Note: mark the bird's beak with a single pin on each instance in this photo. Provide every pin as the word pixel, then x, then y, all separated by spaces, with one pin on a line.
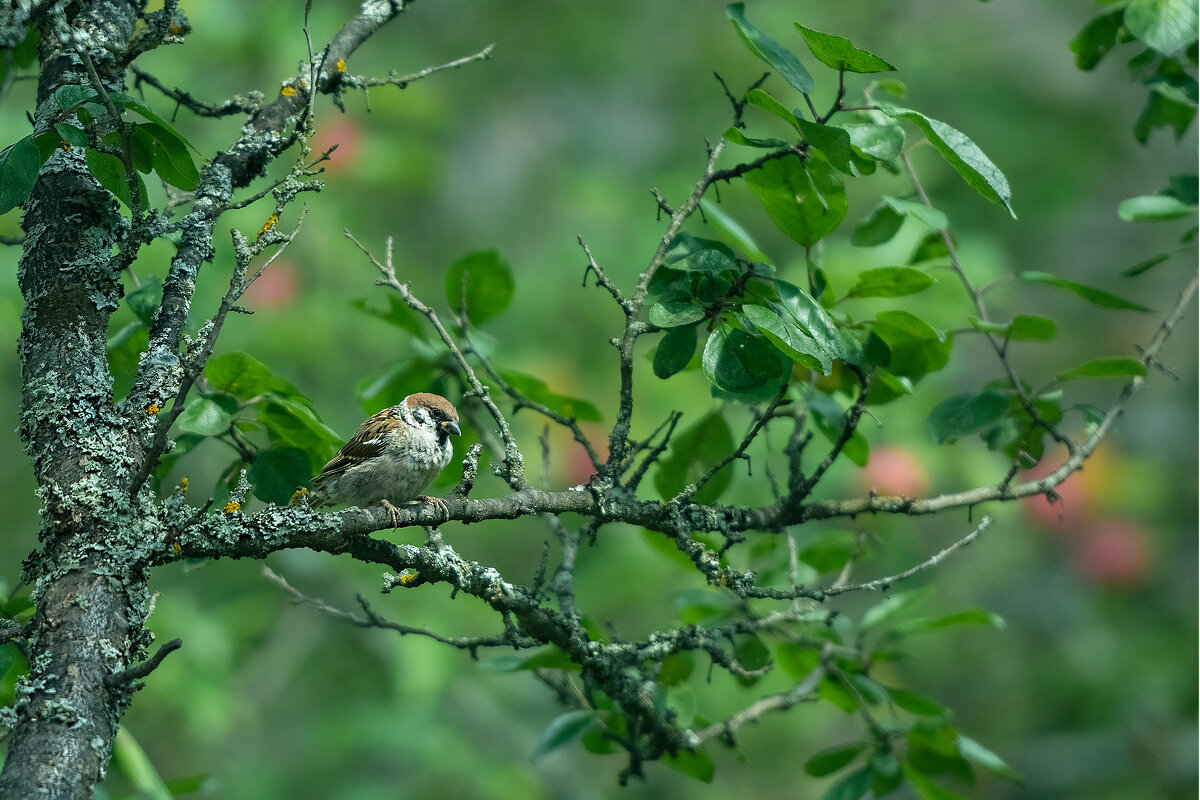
pixel 450 427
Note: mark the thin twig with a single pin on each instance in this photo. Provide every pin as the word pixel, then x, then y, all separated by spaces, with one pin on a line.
pixel 143 669
pixel 805 690
pixel 402 81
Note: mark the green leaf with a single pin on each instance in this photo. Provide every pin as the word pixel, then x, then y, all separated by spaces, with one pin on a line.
pixel 733 229
pixel 536 389
pixel 1020 327
pixel 806 200
pixel 830 420
pixel 812 317
pixel 562 730
pixel 693 452
pixel 1145 266
pixel 1161 111
pixel 394 312
pixel 760 98
pixel 292 420
pixel 674 351
pixel 1098 36
pixel 890 282
pixel 836 52
pixel 138 107
pixel 974 751
pixel 1092 295
pixel 109 172
pixel 696 765
pixel 889 607
pixel 882 142
pixel 1113 367
pixel 786 334
pixel 170 156
pixel 132 762
pixel 145 299
pixel 769 51
pixel 278 472
pixel 925 213
pixel 674 313
pixel 925 788
pixel 917 703
pixel 969 616
pixel 830 760
pixel 209 415
pixel 916 347
pixel 738 362
pixel 1165 25
pixel 829 550
pixel 962 154
pixel 735 136
pixel 966 413
pixel 879 228
pixel 19 165
pixel 483 282
pixel 67 97
pixel 851 787
pixel 797 661
pixel 677 668
pixel 685 248
pixel 831 140
pixel 1154 208
pixel 71 134
pixel 244 376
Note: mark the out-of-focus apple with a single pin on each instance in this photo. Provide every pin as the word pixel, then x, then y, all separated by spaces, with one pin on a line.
pixel 275 288
pixel 345 134
pixel 1076 493
pixel 893 471
pixel 1113 552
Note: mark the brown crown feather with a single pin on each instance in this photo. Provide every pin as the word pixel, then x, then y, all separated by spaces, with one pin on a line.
pixel 430 400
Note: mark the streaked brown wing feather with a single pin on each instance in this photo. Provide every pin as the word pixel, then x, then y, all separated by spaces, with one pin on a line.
pixel 366 443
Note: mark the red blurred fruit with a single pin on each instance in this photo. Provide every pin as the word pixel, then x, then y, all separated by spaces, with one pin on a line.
pixel 893 471
pixel 345 134
pixel 275 288
pixel 1113 552
pixel 1078 492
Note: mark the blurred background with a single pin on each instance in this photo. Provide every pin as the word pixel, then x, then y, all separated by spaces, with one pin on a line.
pixel 1089 692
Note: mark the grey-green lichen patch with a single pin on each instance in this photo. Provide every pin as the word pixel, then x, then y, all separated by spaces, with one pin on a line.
pixel 60 710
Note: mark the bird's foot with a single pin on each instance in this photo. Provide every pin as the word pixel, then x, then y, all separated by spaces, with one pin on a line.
pixel 439 504
pixel 393 513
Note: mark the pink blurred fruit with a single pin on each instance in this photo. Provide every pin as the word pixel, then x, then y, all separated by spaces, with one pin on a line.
pixel 345 134
pixel 275 288
pixel 1113 552
pixel 893 471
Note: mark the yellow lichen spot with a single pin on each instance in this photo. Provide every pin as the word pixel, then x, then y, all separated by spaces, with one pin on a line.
pixel 407 578
pixel 270 223
pixel 341 65
pixel 176 548
pixel 232 507
pixel 299 497
pixel 183 484
pixel 65 145
pixel 152 409
pixel 288 91
pixel 174 29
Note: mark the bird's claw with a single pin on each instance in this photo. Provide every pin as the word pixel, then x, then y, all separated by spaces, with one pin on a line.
pixel 439 504
pixel 393 514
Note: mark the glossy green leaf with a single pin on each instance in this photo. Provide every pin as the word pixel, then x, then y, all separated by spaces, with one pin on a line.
pixel 806 200
pixel 735 136
pixel 879 228
pixel 969 616
pixel 962 154
pixel 278 472
pixel 563 730
pixel 1020 327
pixel 71 134
pixel 292 420
pixel 882 142
pixel 851 787
pixel 674 351
pixel 1161 111
pixel 760 98
pixel 917 703
pixel 536 389
pixel 738 362
pixel 733 230
pixel 109 172
pixel 1154 208
pixel 931 248
pixel 67 97
pixel 812 317
pixel 208 415
pixel 686 247
pixel 890 282
pixel 145 299
pixel 1105 368
pixel 966 413
pixel 887 609
pixel 244 376
pixel 1145 266
pixel 769 51
pixel 836 52
pixel 170 157
pixel 1092 295
pixel 697 765
pixel 693 452
pixel 1098 36
pixel 674 313
pixel 786 334
pixel 138 107
pixel 1165 25
pixel 831 140
pixel 916 348
pixel 830 420
pixel 392 310
pixel 482 283
pixel 19 165
pixel 832 759
pixel 931 216
pixel 829 550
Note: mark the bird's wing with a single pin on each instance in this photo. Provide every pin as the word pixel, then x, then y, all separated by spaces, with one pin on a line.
pixel 366 443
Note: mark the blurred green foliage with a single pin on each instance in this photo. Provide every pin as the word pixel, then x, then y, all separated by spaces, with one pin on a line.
pixel 1090 690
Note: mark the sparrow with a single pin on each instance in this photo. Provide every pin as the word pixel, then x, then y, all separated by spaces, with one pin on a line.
pixel 392 457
